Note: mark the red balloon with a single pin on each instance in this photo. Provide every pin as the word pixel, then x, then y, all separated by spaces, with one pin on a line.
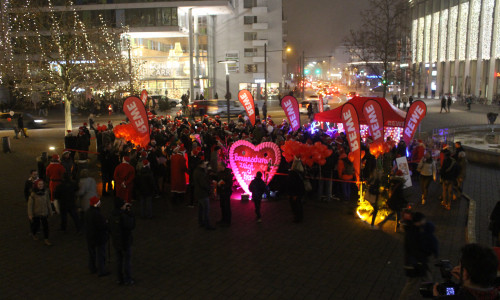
pixel 9 119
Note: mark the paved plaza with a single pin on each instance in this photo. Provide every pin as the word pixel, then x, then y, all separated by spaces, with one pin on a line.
pixel 331 255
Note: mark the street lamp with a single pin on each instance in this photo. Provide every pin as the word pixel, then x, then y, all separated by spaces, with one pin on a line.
pixel 288 49
pixel 228 94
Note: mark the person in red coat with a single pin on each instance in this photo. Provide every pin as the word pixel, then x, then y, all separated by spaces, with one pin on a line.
pixel 124 180
pixel 178 172
pixel 54 174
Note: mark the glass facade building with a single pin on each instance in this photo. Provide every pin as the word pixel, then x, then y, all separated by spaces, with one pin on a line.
pixel 455 47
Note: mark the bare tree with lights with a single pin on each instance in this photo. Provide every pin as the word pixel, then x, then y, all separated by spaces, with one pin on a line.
pixel 53 51
pixel 379 38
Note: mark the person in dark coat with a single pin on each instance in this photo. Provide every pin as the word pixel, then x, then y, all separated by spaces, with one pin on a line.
pixel 66 194
pixel 257 187
pixel 28 184
pixel 20 126
pixel 202 193
pixel 264 111
pixel 443 105
pixel 397 200
pixel 97 236
pixel 419 244
pixel 224 189
pixel 147 188
pixel 296 191
pixel 494 226
pixel 122 222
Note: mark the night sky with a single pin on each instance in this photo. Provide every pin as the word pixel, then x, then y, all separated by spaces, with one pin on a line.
pixel 319 26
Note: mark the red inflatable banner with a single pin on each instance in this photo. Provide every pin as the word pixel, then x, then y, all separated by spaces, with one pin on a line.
pixel 415 114
pixel 291 108
pixel 136 112
pixel 351 127
pixel 246 100
pixel 374 116
pixel 144 96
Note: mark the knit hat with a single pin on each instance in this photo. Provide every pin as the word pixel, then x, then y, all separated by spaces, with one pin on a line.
pixel 94 201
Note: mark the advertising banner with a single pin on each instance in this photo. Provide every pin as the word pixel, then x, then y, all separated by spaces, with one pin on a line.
pixel 351 127
pixel 291 108
pixel 144 97
pixel 415 114
pixel 246 100
pixel 374 117
pixel 136 112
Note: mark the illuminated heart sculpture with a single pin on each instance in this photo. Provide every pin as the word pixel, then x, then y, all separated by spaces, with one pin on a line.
pixel 246 160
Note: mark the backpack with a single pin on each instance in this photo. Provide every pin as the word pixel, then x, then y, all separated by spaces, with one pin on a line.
pixel 348 167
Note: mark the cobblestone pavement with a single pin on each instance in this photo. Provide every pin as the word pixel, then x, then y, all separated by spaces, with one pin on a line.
pixel 331 255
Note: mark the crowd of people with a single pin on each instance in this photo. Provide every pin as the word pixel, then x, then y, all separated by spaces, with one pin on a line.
pixel 187 162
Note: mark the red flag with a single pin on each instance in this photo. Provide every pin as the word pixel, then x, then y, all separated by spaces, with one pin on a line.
pixel 375 119
pixel 415 114
pixel 351 127
pixel 291 108
pixel 321 106
pixel 144 96
pixel 246 100
pixel 136 112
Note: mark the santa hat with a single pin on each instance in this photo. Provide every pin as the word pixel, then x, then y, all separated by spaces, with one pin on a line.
pixel 84 124
pixel 126 158
pixel 144 154
pixel 94 201
pixel 55 157
pixel 145 163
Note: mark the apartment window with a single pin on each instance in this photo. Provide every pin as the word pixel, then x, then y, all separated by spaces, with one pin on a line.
pixel 249 3
pixel 250 52
pixel 252 68
pixel 250 36
pixel 249 19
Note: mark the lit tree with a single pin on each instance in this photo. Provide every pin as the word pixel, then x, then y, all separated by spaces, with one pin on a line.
pixel 378 39
pixel 53 51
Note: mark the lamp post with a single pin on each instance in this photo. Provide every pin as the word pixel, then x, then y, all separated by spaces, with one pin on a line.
pixel 265 67
pixel 228 94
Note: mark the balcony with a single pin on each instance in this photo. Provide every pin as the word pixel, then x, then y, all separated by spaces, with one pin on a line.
pixel 259 43
pixel 260 26
pixel 259 10
pixel 258 59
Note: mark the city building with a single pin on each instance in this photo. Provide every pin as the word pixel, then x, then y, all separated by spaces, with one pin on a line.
pixel 241 38
pixel 456 47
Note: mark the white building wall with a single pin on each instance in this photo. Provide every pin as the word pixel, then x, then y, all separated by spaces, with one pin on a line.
pixel 229 37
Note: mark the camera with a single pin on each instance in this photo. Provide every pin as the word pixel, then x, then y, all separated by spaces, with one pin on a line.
pixel 445 288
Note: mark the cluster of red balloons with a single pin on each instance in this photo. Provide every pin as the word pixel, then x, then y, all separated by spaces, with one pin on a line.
pixel 101 128
pixel 128 132
pixel 308 154
pixel 378 148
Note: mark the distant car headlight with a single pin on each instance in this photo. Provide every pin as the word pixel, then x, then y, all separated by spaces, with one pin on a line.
pixel 38 121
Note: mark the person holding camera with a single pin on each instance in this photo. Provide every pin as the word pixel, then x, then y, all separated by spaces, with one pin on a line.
pixel 476 273
pixel 121 224
pixel 419 244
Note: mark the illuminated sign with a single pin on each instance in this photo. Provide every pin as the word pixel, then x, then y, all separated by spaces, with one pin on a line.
pixel 247 159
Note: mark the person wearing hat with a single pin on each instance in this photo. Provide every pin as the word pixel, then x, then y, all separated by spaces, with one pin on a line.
pixel 178 170
pixel 121 224
pixel 224 190
pixel 67 163
pixel 54 174
pixel 97 236
pixel 66 195
pixel 124 180
pixel 397 200
pixel 39 209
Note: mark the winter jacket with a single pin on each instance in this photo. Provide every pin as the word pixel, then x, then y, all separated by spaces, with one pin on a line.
pixel 87 189
pixel 39 205
pixel 257 187
pixel 425 168
pixel 146 182
pixel 121 224
pixel 201 184
pixel 66 194
pixel 97 229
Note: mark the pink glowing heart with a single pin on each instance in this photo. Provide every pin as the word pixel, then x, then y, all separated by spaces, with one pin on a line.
pixel 246 160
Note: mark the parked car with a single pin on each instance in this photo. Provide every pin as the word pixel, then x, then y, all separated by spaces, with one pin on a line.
pixel 315 105
pixel 216 107
pixel 30 121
